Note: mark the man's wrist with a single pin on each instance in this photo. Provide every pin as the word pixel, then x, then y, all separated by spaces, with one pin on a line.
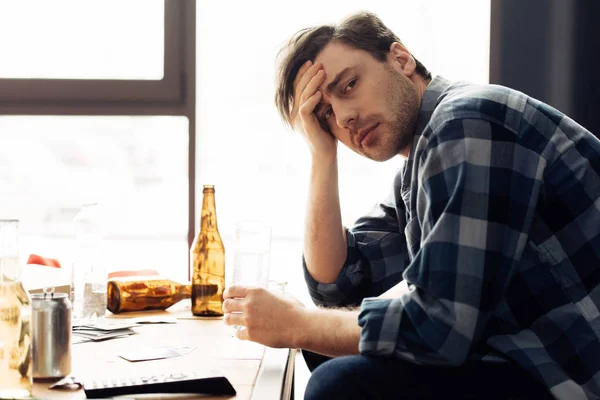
pixel 302 330
pixel 323 158
pixel 329 332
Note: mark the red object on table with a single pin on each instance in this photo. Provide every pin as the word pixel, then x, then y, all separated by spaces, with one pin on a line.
pixel 52 262
pixel 39 260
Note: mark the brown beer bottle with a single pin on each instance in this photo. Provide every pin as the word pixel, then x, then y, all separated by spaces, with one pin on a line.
pixel 138 293
pixel 207 259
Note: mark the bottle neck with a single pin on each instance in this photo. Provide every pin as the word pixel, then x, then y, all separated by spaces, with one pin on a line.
pixel 10 268
pixel 208 218
pixel 185 290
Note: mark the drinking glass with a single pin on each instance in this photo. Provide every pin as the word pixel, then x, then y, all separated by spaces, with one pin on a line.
pixel 277 287
pixel 252 254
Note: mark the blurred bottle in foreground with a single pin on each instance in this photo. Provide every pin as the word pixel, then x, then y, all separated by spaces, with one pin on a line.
pixel 15 319
pixel 89 276
pixel 207 259
pixel 138 293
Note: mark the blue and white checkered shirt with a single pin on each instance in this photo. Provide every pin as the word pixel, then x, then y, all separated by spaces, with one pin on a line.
pixel 493 223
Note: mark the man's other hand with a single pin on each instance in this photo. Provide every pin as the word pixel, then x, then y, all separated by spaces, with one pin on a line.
pixel 264 317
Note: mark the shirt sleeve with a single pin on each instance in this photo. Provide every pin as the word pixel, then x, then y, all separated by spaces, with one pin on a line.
pixel 375 259
pixel 476 197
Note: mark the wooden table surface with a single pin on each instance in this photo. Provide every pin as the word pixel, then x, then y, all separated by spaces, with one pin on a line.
pixel 255 371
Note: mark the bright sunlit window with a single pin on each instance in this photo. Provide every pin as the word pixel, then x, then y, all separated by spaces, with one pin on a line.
pixel 74 39
pixel 136 168
pixel 260 167
pixel 122 142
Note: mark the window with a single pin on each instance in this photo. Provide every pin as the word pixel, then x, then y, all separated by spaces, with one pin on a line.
pixel 135 167
pixel 260 168
pixel 93 52
pixel 70 39
pixel 93 107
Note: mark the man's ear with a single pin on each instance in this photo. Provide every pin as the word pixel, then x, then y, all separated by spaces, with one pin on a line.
pixel 401 59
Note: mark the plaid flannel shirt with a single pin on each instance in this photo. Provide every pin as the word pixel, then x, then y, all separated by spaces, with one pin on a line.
pixel 493 223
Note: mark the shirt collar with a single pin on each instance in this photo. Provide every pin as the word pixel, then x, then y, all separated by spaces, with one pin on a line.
pixel 429 102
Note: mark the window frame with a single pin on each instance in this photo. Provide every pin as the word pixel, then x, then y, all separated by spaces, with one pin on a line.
pixel 173 95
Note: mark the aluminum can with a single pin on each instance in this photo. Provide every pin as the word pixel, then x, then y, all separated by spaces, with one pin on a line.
pixel 51 335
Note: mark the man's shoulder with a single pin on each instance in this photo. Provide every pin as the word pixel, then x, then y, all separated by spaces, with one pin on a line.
pixel 463 100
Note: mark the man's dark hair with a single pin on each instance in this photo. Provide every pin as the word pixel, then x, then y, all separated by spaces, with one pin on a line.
pixel 364 31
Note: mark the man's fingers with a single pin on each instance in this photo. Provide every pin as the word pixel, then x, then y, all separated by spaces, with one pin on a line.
pixel 235 291
pixel 301 90
pixel 313 85
pixel 233 305
pixel 235 319
pixel 242 334
pixel 301 72
pixel 308 107
pixel 311 95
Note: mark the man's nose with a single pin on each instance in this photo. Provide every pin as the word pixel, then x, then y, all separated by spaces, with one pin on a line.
pixel 345 115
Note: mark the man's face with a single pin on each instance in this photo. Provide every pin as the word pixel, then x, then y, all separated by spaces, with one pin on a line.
pixel 369 106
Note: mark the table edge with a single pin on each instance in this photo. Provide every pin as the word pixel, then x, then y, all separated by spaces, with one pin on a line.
pixel 275 375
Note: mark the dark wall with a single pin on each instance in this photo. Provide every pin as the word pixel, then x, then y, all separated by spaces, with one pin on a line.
pixel 550 49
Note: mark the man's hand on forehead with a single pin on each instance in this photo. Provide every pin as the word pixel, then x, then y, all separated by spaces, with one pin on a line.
pixel 304 77
pixel 307 96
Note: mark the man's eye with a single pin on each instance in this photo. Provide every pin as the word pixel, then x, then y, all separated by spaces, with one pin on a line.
pixel 351 85
pixel 327 113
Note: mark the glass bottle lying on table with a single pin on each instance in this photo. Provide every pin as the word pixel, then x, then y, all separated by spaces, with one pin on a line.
pixel 139 293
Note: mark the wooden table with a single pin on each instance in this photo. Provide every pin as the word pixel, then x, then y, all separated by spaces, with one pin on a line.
pixel 255 371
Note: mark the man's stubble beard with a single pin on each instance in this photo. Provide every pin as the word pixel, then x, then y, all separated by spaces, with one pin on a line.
pixel 403 100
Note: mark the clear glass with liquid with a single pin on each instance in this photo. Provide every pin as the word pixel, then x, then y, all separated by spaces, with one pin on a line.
pixel 252 254
pixel 89 276
pixel 94 299
pixel 16 378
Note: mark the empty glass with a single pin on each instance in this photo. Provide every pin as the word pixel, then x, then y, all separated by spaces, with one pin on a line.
pixel 252 254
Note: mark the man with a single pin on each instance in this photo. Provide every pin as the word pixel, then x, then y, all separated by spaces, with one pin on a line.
pixel 479 276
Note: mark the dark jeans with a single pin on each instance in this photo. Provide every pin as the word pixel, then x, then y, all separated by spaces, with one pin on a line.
pixel 364 377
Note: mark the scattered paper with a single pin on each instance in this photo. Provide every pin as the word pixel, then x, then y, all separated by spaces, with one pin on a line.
pixel 149 354
pixel 101 330
pixel 155 320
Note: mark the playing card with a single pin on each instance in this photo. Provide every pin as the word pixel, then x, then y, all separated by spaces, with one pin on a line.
pixel 149 354
pixel 105 325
